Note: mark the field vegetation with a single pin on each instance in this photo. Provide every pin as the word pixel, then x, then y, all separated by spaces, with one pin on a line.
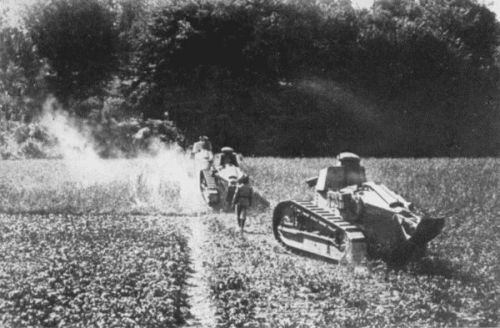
pixel 92 242
pixel 455 284
pixel 131 269
pixel 75 252
pixel 100 271
pixel 114 186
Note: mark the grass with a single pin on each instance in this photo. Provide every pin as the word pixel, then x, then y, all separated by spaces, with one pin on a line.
pixel 254 281
pixel 457 283
pixel 113 186
pixel 465 191
pixel 257 283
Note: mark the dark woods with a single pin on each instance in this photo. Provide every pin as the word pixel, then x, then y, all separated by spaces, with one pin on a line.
pixel 269 77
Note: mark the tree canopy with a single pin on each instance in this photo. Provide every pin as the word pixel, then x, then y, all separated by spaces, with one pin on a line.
pixel 281 77
pixel 79 41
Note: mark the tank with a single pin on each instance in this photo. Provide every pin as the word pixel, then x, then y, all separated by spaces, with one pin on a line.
pixel 351 218
pixel 218 180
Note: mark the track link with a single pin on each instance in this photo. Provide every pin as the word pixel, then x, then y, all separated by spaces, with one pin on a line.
pixel 303 226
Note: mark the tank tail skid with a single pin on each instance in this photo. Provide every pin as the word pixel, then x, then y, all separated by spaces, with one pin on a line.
pixel 302 226
pixel 427 230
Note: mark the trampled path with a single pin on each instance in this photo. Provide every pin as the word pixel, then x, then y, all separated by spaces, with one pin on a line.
pixel 201 305
pixel 202 309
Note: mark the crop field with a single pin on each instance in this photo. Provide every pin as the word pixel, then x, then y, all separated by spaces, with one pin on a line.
pixel 128 243
pixel 62 270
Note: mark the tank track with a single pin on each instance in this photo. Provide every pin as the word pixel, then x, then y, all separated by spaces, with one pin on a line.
pixel 208 188
pixel 318 231
pixel 216 192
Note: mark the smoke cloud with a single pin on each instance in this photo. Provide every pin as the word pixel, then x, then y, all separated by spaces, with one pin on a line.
pixel 159 179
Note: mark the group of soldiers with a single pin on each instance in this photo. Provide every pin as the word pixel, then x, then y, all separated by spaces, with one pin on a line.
pixel 242 198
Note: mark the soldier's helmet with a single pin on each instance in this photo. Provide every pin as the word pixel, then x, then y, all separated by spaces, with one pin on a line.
pixel 227 150
pixel 204 138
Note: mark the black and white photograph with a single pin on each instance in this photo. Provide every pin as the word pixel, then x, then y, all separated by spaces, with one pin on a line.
pixel 249 163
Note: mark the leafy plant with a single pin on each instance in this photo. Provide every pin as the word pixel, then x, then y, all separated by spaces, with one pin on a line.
pixel 80 271
pixel 454 285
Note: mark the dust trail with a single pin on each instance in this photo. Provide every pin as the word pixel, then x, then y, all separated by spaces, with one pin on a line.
pixel 202 308
pixel 74 144
pixel 158 180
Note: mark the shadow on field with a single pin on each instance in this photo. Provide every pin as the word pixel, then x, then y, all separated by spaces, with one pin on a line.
pixel 250 232
pixel 82 213
pixel 260 202
pixel 435 266
pixel 307 255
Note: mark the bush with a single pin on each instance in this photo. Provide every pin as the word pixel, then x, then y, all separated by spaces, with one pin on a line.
pixel 132 136
pixel 110 138
pixel 19 140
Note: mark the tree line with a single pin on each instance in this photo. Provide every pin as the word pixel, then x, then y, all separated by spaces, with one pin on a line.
pixel 268 77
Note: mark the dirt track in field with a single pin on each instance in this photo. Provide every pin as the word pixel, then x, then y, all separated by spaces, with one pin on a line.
pixel 202 308
pixel 199 290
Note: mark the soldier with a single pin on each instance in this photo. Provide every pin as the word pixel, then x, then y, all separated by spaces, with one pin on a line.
pixel 203 144
pixel 242 200
pixel 228 157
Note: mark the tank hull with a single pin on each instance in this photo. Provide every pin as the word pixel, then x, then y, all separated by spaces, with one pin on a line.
pixel 353 223
pixel 217 187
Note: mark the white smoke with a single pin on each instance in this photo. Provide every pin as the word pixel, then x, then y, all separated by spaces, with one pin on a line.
pixel 170 166
pixel 158 180
pixel 74 144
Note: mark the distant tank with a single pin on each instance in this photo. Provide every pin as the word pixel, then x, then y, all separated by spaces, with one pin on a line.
pixel 351 218
pixel 218 176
